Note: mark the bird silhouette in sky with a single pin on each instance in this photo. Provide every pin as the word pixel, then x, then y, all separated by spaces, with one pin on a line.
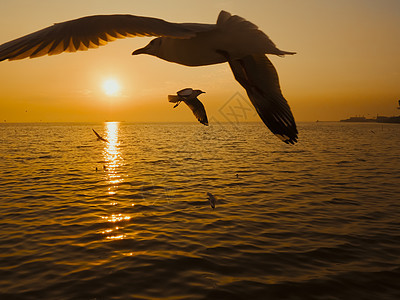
pixel 232 39
pixel 189 96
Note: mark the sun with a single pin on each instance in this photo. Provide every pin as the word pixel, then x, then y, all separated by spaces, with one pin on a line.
pixel 111 87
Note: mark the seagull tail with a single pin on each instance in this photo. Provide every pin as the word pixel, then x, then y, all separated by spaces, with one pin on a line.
pixel 173 98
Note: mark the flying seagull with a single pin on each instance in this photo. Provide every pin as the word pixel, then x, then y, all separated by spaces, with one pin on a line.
pixel 232 39
pixel 189 96
pixel 99 137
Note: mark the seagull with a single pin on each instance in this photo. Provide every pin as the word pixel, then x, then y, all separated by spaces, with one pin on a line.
pixel 189 96
pixel 232 39
pixel 99 137
pixel 212 200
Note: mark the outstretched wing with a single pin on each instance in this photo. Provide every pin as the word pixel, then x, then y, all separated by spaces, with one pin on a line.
pixel 99 136
pixel 258 76
pixel 185 92
pixel 92 32
pixel 198 110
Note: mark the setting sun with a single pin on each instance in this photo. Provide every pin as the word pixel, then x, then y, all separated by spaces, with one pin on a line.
pixel 111 87
pixel 215 150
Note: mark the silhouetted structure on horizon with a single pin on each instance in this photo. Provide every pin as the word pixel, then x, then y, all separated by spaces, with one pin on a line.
pixel 378 119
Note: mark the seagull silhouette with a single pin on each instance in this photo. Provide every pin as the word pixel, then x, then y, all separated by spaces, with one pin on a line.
pixel 99 137
pixel 232 39
pixel 189 96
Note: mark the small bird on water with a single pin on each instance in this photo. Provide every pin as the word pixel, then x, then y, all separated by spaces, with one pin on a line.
pixel 212 200
pixel 189 96
pixel 231 39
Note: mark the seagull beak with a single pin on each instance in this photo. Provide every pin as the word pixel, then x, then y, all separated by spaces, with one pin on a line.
pixel 141 50
pixel 201 92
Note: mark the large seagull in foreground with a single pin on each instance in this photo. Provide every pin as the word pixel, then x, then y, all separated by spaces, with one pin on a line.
pixel 232 39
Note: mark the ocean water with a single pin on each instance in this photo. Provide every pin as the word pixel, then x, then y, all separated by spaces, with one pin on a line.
pixel 318 220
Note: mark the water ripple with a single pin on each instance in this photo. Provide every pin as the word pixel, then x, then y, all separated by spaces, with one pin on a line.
pixel 130 219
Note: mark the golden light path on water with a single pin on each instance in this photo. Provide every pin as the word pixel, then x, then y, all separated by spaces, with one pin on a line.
pixel 112 157
pixel 113 161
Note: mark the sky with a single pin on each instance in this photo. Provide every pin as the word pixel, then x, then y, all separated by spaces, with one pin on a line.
pixel 347 62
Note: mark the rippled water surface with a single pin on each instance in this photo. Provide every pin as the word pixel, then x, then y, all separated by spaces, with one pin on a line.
pixel 130 219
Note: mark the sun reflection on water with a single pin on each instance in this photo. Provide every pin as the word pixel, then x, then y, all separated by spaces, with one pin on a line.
pixel 112 157
pixel 116 218
pixel 116 237
pixel 113 162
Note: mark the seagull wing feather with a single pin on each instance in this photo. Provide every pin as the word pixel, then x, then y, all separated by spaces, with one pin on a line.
pixel 99 136
pixel 260 79
pixel 92 32
pixel 185 92
pixel 198 110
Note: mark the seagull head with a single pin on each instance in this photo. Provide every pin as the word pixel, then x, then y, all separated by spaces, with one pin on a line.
pixel 198 92
pixel 152 48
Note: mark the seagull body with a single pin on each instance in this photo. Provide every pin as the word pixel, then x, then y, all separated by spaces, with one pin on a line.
pixel 207 46
pixel 189 96
pixel 232 39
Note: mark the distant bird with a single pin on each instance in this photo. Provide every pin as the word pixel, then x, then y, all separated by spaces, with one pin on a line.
pixel 99 137
pixel 212 200
pixel 237 175
pixel 189 96
pixel 104 168
pixel 232 39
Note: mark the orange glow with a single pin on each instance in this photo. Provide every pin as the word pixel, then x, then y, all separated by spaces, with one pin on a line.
pixel 111 87
pixel 346 63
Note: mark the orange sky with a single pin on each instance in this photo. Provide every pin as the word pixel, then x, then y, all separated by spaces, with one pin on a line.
pixel 348 61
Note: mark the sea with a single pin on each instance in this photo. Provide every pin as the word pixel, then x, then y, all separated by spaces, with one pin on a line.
pixel 129 218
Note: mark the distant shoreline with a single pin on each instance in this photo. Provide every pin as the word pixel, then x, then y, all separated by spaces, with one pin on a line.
pixel 378 119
